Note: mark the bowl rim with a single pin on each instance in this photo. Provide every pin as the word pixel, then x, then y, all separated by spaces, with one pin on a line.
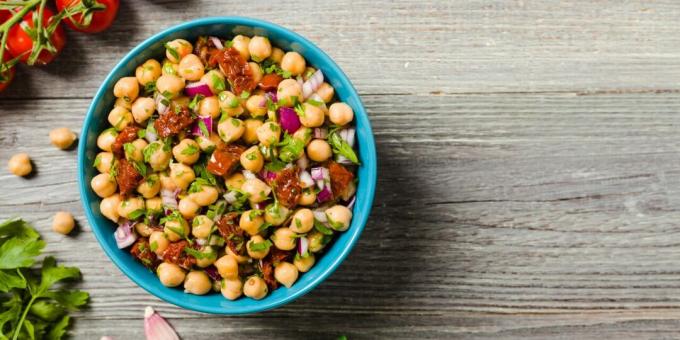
pixel 371 163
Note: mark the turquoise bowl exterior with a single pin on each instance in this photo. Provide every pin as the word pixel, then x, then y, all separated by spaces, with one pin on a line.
pixel 95 121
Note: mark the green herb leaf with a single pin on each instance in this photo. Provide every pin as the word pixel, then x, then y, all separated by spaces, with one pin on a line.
pixel 260 246
pixel 149 150
pixel 341 147
pixel 320 227
pixel 218 83
pixel 191 149
pixel 201 255
pixel 97 161
pixel 291 148
pixel 173 52
pixel 203 128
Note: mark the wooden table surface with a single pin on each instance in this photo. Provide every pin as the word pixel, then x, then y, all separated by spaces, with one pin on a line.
pixel 529 176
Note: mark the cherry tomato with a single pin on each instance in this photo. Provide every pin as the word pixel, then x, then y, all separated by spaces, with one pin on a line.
pixel 19 43
pixel 9 75
pixel 101 19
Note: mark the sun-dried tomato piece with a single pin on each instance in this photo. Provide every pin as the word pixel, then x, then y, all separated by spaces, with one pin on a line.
pixel 228 228
pixel 277 255
pixel 237 70
pixel 341 178
pixel 270 82
pixel 142 251
pixel 225 159
pixel 287 187
pixel 127 176
pixel 175 254
pixel 204 48
pixel 267 270
pixel 127 135
pixel 173 121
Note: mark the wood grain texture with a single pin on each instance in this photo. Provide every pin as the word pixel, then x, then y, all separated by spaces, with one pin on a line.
pixel 529 170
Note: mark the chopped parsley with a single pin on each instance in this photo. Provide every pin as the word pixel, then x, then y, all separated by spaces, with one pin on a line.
pixel 173 52
pixel 291 148
pixel 217 82
pixel 340 147
pixel 203 128
pixel 201 255
pixel 149 150
pixel 260 246
pixel 190 150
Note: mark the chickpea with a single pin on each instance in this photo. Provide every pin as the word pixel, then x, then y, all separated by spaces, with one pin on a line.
pixel 129 206
pixel 143 229
pixel 319 150
pixel 124 102
pixel 307 198
pixel 215 139
pixel 304 263
pixel 208 258
pixel 260 48
pixel 269 133
pixel 252 159
pixel 176 50
pixel 206 144
pixel 235 181
pixel 169 83
pixel 255 288
pixel 250 133
pixel 231 289
pixel 256 72
pixel 206 195
pixel 176 229
pixel 313 116
pixel 209 106
pixel 284 239
pixel 256 105
pixel 230 129
pixel 158 242
pixel 187 151
pixel 304 134
pixel 109 207
pixel 191 68
pixel 201 226
pixel 154 204
pixel 182 175
pixel 240 43
pixel 188 208
pixel 142 109
pixel 158 155
pixel 133 151
pixel 106 139
pixel 339 217
pixel 103 161
pixel 62 138
pixel 286 273
pixel 215 80
pixel 241 259
pixel 229 103
pixel 63 222
pixel 119 118
pixel 170 274
pixel 257 254
pixel 288 92
pixel 326 92
pixel 340 113
pixel 148 72
pixel 257 190
pixel 277 55
pixel 20 165
pixel 303 221
pixel 275 214
pixel 167 183
pixel 317 241
pixel 227 266
pixel 150 186
pixel 294 63
pixel 169 68
pixel 251 222
pixel 126 87
pixel 104 185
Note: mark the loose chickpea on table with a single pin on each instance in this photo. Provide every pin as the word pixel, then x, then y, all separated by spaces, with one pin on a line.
pixel 20 165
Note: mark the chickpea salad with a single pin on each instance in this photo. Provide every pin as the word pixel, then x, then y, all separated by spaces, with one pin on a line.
pixel 228 166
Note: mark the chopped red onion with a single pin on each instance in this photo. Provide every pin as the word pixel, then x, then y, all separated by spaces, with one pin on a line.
pixel 299 81
pixel 169 198
pixel 160 106
pixel 324 195
pixel 213 273
pixel 289 119
pixel 348 135
pixel 267 175
pixel 312 84
pixel 196 127
pixel 272 96
pixel 249 174
pixel 320 173
pixel 217 42
pixel 306 179
pixel 320 216
pixel 350 205
pixel 302 162
pixel 196 88
pixel 320 133
pixel 157 328
pixel 230 197
pixel 261 205
pixel 303 246
pixel 124 235
pixel 201 241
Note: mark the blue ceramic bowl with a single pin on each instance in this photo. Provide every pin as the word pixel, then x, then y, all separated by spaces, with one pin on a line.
pixel 96 121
